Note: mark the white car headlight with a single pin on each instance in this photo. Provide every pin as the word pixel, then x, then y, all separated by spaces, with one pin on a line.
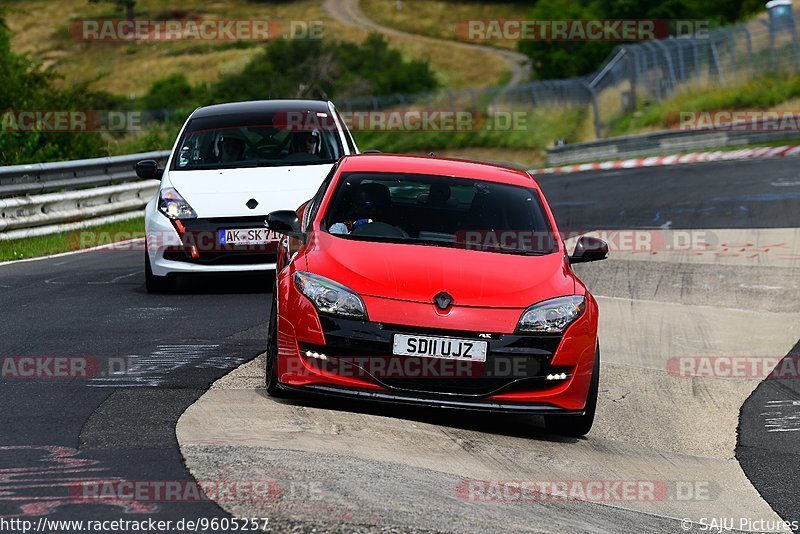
pixel 329 296
pixel 552 316
pixel 173 205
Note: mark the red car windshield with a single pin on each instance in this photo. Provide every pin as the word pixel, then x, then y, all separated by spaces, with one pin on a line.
pixel 440 211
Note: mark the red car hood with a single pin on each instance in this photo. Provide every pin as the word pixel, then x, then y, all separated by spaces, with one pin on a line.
pixel 417 272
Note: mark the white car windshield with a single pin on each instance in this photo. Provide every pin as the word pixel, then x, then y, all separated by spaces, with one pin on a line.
pixel 256 140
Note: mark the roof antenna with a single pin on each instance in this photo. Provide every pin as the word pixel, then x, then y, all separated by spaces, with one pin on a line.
pixel 432 154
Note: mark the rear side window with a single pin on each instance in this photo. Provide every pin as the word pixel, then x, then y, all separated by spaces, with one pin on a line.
pixel 351 146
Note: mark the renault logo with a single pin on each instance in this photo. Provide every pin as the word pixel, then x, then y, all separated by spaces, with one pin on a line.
pixel 443 300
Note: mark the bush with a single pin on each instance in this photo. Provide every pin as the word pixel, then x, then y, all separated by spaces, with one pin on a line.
pixel 168 92
pixel 560 59
pixel 324 69
pixel 28 88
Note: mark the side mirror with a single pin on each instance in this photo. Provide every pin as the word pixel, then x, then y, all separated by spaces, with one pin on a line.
pixel 589 249
pixel 285 222
pixel 148 169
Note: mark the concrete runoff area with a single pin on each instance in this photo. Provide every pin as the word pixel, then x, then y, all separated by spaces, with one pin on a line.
pixel 408 468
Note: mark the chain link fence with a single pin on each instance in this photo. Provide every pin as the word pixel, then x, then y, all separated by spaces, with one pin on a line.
pixel 649 71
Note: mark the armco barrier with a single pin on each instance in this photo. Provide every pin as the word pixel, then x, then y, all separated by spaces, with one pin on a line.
pixel 663 143
pixel 38 178
pixel 47 198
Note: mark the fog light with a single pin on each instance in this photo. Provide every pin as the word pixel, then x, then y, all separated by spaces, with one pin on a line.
pixel 557 376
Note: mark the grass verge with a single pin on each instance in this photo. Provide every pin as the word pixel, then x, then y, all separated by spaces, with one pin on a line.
pixel 442 19
pixel 535 129
pixel 33 247
pixel 129 68
pixel 776 92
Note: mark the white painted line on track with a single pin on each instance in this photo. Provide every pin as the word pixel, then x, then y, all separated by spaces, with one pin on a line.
pixel 73 252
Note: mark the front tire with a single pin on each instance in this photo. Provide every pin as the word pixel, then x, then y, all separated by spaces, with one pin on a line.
pixel 578 425
pixel 153 283
pixel 271 356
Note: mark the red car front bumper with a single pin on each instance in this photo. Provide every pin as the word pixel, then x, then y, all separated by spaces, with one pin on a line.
pixel 353 358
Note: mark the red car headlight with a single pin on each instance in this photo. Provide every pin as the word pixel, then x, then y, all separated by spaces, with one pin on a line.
pixel 552 316
pixel 329 296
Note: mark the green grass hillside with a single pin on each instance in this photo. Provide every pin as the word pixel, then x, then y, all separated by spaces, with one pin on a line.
pixel 130 68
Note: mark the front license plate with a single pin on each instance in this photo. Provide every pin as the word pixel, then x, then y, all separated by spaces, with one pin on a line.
pixel 246 236
pixel 440 347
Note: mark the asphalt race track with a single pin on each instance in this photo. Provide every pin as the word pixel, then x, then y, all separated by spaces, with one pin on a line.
pixel 347 466
pixel 158 355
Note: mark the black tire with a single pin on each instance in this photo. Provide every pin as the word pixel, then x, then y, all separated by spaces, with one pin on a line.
pixel 153 283
pixel 271 356
pixel 578 425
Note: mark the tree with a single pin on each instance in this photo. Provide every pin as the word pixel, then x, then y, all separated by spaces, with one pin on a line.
pixel 563 59
pixel 311 68
pixel 26 87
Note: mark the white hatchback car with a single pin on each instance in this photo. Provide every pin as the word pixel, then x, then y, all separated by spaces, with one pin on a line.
pixel 233 164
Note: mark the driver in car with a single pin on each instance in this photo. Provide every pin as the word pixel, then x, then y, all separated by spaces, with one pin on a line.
pixel 305 143
pixel 231 149
pixel 369 206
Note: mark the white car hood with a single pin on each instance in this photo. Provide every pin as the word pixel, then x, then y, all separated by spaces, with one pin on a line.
pixel 225 192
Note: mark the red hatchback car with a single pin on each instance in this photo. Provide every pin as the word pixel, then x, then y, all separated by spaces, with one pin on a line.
pixel 434 282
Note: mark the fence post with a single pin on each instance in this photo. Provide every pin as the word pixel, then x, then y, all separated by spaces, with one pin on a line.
pixel 732 52
pixel 773 55
pixel 749 43
pixel 658 89
pixel 715 57
pixel 681 65
pixel 632 75
pixel 670 68
pixel 795 51
pixel 533 95
pixel 595 110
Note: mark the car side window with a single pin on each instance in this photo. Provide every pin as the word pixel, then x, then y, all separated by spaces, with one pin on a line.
pixel 351 146
pixel 313 208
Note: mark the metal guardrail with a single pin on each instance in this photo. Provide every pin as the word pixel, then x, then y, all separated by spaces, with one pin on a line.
pixel 36 178
pixel 663 143
pixel 47 198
